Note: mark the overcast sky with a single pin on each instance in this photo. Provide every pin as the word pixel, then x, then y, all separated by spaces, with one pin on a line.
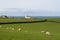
pixel 47 5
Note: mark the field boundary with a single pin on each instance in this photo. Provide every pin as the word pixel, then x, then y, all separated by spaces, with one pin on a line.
pixel 22 22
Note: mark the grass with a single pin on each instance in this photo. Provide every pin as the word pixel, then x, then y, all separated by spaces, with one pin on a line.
pixel 30 31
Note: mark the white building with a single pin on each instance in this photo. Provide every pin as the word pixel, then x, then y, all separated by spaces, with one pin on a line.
pixel 27 17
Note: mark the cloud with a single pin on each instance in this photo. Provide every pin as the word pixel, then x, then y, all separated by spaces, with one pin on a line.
pixel 50 5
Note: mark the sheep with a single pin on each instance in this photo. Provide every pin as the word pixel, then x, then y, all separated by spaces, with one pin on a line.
pixel 47 33
pixel 12 28
pixel 19 29
pixel 42 31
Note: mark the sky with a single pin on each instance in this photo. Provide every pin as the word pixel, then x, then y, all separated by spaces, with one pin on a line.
pixel 39 7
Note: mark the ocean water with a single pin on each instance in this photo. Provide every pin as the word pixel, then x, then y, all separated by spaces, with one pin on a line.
pixel 35 16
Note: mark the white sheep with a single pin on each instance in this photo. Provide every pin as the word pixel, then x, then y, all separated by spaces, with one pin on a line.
pixel 12 28
pixel 42 31
pixel 19 29
pixel 47 33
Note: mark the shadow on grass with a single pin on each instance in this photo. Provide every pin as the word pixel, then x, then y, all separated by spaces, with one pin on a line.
pixel 22 22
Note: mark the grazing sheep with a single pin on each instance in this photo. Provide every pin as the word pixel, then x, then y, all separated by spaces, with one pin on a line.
pixel 42 31
pixel 47 33
pixel 19 29
pixel 12 28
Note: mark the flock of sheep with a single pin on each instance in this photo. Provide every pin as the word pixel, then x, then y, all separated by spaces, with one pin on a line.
pixel 46 32
pixel 19 29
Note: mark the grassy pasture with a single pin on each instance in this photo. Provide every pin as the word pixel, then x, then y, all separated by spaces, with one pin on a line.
pixel 30 31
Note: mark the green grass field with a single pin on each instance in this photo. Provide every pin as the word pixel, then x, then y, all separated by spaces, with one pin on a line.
pixel 30 31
